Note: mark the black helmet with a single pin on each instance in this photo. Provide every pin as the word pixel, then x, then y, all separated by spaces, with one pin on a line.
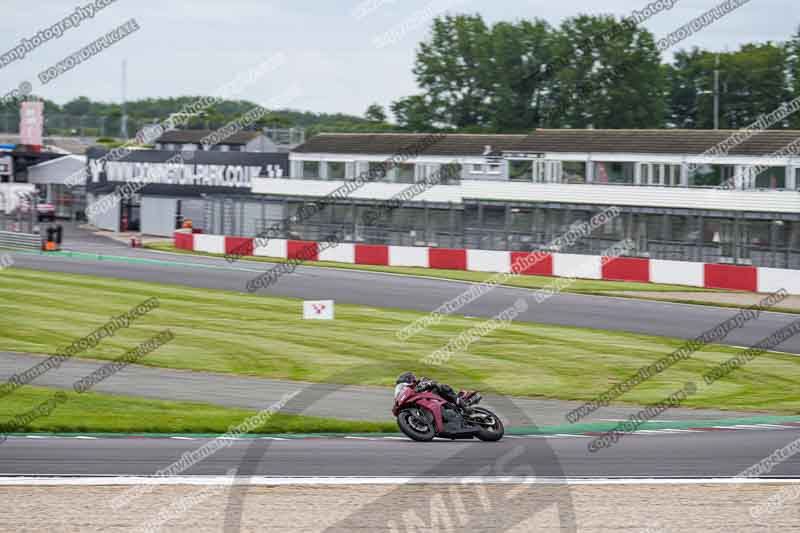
pixel 406 377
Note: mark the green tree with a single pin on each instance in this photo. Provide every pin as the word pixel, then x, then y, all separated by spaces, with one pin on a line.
pixel 79 106
pixel 375 113
pixel 608 74
pixel 413 113
pixel 753 82
pixel 519 75
pixel 452 68
pixel 686 79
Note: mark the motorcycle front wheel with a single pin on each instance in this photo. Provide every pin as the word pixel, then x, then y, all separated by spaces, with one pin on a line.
pixel 494 430
pixel 415 425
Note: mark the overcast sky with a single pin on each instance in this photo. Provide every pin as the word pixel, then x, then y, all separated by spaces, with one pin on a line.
pixel 337 53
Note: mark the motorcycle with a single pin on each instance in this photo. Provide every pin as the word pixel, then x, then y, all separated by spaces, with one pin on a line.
pixel 425 415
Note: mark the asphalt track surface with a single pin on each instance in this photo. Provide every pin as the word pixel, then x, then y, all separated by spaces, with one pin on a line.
pixel 683 321
pixel 711 454
pixel 363 403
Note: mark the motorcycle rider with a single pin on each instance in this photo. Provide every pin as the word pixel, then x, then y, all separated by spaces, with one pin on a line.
pixel 425 384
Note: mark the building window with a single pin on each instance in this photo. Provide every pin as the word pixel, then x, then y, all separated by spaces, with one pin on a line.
pixel 495 168
pixel 476 169
pixel 660 174
pixel 612 172
pixel 377 170
pixel 450 173
pixel 520 170
pixel 647 176
pixel 672 175
pixel 711 175
pixel 772 178
pixel 336 170
pixel 573 172
pixel 311 169
pixel 405 173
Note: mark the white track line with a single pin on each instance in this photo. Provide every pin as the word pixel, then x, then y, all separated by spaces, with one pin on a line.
pixel 343 481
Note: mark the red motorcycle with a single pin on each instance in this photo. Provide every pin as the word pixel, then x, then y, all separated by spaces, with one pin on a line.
pixel 425 415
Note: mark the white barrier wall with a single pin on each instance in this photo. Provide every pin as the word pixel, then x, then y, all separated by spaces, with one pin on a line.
pixel 273 248
pixel 677 272
pixel 488 261
pixel 341 253
pixel 772 279
pixel 213 244
pixel 579 266
pixel 408 256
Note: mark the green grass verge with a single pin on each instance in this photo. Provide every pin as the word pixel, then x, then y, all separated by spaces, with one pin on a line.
pixel 584 286
pixel 105 413
pixel 238 333
pixel 692 301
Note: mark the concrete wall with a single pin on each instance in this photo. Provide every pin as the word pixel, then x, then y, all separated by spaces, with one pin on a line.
pixel 158 215
pixel 107 219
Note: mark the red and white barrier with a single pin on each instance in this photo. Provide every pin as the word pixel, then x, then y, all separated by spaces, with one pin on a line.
pixel 719 276
pixel 272 248
pixel 677 273
pixel 488 261
pixel 408 256
pixel 212 244
pixel 577 266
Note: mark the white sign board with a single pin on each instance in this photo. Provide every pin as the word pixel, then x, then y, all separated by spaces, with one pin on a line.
pixel 31 123
pixel 318 310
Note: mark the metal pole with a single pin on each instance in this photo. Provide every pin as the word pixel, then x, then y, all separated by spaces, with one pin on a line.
pixel 716 94
pixel 124 121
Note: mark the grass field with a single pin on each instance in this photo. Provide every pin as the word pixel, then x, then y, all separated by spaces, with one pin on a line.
pixel 231 332
pixel 104 413
pixel 584 286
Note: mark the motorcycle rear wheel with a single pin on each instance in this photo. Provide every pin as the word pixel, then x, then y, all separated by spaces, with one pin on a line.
pixel 492 433
pixel 411 422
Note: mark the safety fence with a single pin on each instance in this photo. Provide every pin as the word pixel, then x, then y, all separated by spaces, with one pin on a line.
pixel 14 240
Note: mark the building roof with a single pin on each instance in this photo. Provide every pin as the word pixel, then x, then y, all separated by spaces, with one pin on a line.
pixel 563 140
pixel 196 136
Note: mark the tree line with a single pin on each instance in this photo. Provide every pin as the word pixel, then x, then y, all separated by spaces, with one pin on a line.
pixel 591 71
